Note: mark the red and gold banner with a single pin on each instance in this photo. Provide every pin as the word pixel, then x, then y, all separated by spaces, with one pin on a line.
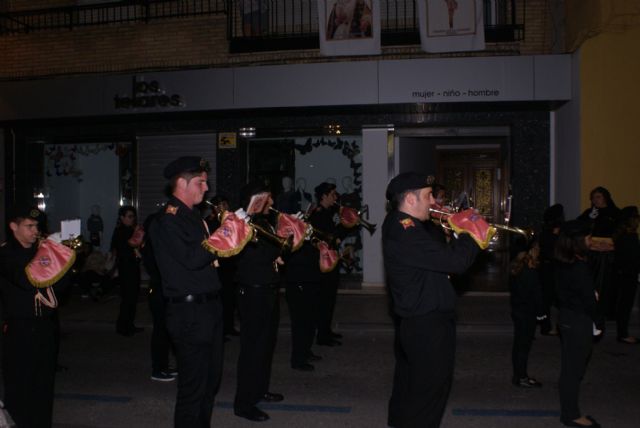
pixel 230 238
pixel 51 262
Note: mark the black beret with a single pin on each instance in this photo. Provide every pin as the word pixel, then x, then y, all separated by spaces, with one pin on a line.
pixel 186 164
pixel 24 212
pixel 408 181
pixel 324 188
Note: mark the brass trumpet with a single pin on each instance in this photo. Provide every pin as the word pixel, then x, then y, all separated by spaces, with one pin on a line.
pixel 528 234
pixel 371 227
pixel 285 244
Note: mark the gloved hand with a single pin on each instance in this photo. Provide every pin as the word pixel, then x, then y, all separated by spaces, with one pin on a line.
pixel 242 215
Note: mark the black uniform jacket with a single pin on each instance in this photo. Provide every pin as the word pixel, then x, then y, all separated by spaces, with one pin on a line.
pixel 185 266
pixel 16 290
pixel 418 265
pixel 575 288
pixel 526 292
pixel 255 262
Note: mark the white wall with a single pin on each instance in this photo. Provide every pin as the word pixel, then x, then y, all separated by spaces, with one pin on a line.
pixel 375 178
pixel 567 148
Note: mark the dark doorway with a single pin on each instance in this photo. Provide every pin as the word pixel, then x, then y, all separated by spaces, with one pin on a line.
pixel 474 177
pixel 475 172
pixel 270 161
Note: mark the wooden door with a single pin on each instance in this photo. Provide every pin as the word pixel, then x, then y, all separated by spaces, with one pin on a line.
pixel 474 178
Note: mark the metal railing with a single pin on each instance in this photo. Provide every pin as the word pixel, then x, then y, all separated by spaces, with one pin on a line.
pixel 114 12
pixel 255 25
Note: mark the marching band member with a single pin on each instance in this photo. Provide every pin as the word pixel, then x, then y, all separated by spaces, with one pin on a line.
pixel 418 265
pixel 258 284
pixel 322 218
pixel 28 329
pixel 190 286
pixel 126 249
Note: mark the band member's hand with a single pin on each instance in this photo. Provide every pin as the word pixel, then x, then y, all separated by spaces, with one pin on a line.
pixel 279 261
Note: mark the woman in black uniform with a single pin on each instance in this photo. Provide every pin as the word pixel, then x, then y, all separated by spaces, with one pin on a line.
pixel 577 303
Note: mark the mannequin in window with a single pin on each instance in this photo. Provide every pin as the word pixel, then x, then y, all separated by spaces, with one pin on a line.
pixel 286 201
pixel 303 198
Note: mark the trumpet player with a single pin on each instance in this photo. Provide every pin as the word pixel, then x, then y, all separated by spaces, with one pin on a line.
pixel 418 264
pixel 29 344
pixel 258 282
pixel 322 218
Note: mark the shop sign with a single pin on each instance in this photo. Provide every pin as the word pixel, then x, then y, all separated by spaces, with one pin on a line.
pixel 227 140
pixel 148 95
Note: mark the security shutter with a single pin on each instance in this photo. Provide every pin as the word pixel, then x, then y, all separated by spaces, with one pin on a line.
pixel 155 152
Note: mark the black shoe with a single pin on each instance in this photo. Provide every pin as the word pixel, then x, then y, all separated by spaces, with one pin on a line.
pixel 304 367
pixel 330 342
pixel 272 397
pixel 162 377
pixel 125 333
pixel 335 335
pixel 313 357
pixel 171 371
pixel 526 382
pixel 629 340
pixel 253 414
pixel 594 423
pixel 232 332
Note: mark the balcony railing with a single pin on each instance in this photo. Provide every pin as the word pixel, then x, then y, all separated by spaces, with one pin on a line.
pixel 114 12
pixel 259 25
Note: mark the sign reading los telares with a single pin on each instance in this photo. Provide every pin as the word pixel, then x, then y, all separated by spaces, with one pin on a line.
pixel 147 95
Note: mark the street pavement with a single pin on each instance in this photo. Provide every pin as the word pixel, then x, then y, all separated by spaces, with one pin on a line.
pixel 105 381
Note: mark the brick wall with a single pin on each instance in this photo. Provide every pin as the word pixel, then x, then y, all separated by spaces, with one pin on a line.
pixel 192 42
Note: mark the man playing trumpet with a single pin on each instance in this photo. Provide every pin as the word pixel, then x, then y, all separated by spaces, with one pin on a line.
pixel 418 264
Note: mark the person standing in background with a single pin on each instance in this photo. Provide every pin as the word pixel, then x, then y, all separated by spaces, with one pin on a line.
pixel 125 246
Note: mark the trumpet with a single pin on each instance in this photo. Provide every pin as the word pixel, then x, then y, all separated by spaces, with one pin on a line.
pixel 313 231
pixel 349 213
pixel 285 244
pixel 527 233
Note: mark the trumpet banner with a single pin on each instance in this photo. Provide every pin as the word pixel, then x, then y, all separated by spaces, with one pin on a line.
pixel 230 238
pixel 328 257
pixel 289 225
pixel 51 262
pixel 349 217
pixel 471 222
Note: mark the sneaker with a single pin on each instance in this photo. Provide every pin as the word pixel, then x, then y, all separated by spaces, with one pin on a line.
pixel 171 371
pixel 162 377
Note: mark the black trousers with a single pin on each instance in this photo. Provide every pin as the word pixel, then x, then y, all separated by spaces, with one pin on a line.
pixel 524 327
pixel 576 330
pixel 28 367
pixel 548 294
pixel 327 294
pixel 226 272
pixel 424 370
pixel 626 296
pixel 302 299
pixel 260 312
pixel 129 277
pixel 601 263
pixel 160 342
pixel 196 332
